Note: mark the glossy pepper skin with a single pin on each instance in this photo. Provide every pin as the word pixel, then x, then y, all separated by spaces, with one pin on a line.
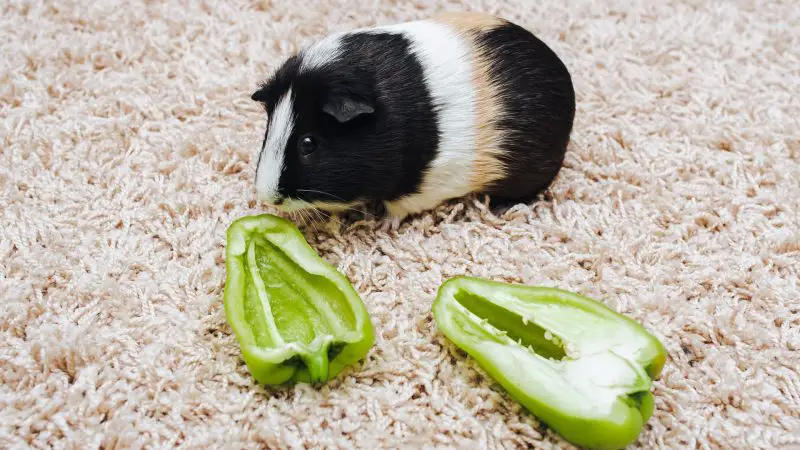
pixel 296 318
pixel 580 367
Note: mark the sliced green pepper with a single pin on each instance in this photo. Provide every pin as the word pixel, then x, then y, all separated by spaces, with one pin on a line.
pixel 296 318
pixel 580 367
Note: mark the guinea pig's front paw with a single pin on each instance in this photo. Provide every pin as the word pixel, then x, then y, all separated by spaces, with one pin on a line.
pixel 395 214
pixel 391 223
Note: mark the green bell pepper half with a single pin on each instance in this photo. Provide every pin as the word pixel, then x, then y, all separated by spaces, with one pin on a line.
pixel 296 318
pixel 583 369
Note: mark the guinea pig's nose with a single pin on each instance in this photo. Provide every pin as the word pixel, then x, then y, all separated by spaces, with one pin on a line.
pixel 280 200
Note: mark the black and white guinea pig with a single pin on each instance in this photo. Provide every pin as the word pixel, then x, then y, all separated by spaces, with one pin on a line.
pixel 413 114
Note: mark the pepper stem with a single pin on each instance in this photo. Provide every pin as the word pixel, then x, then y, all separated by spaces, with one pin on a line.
pixel 317 364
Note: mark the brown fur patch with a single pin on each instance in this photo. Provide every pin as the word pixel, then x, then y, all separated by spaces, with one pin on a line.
pixel 488 168
pixel 467 21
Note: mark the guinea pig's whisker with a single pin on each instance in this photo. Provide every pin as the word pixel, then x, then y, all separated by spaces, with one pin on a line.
pixel 362 212
pixel 337 220
pixel 314 221
pixel 350 208
pixel 314 191
pixel 296 216
pixel 309 219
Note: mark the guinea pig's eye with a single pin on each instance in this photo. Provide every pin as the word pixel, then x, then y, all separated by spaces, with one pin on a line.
pixel 307 145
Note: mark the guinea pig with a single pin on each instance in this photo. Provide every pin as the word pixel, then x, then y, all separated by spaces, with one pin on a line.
pixel 412 114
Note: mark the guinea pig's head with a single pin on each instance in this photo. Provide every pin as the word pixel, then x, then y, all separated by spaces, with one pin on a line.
pixel 319 139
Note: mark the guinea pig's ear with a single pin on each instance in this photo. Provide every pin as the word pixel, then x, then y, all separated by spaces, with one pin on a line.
pixel 345 107
pixel 260 95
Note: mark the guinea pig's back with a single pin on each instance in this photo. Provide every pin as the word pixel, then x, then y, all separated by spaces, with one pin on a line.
pixel 525 106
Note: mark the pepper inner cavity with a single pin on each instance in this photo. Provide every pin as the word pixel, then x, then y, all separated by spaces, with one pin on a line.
pixel 289 291
pixel 526 333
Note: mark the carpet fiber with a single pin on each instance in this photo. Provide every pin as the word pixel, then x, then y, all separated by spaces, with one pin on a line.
pixel 129 143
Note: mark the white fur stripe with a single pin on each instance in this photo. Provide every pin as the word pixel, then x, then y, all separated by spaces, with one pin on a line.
pixel 271 163
pixel 321 52
pixel 446 59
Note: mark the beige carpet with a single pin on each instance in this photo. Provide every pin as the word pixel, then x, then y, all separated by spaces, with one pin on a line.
pixel 128 146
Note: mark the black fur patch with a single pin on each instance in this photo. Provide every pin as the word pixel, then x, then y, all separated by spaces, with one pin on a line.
pixel 538 104
pixel 273 88
pixel 378 155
